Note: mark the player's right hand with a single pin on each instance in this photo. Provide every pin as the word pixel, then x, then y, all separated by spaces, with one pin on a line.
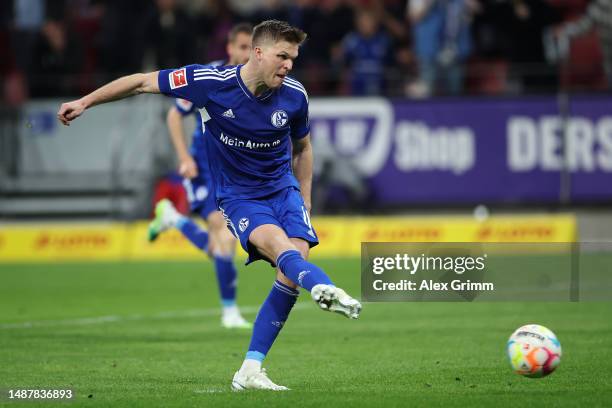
pixel 188 168
pixel 69 111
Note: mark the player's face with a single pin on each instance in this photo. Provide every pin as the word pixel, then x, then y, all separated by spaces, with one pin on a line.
pixel 239 50
pixel 277 62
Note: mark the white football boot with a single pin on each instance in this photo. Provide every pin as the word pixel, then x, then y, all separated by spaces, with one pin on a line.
pixel 166 217
pixel 232 319
pixel 333 299
pixel 255 380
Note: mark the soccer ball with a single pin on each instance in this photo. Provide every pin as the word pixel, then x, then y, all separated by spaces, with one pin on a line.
pixel 534 351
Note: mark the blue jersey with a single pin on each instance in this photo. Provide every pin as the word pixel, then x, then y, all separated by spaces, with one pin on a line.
pixel 186 108
pixel 248 138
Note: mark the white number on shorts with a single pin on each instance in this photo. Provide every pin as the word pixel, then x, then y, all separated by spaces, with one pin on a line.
pixel 189 189
pixel 307 221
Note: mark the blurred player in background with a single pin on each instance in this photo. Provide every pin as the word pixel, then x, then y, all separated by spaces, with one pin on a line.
pixel 218 241
pixel 257 137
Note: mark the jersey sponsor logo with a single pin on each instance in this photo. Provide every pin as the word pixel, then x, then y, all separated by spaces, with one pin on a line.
pixel 279 118
pixel 178 78
pixel 229 114
pixel 243 224
pixel 248 144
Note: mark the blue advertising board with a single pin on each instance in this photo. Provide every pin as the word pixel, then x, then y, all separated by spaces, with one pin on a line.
pixel 472 150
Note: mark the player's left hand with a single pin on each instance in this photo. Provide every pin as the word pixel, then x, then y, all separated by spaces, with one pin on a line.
pixel 188 167
pixel 69 111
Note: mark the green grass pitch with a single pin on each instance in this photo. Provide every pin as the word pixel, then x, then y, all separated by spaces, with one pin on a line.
pixel 149 334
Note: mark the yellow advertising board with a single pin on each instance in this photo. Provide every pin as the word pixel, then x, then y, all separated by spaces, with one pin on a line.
pixel 46 243
pixel 343 236
pixel 339 236
pixel 171 245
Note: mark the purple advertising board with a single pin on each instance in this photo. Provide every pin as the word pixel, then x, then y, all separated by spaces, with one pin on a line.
pixel 471 150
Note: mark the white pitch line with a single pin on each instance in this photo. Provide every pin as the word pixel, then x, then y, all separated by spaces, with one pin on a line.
pixel 212 390
pixel 85 321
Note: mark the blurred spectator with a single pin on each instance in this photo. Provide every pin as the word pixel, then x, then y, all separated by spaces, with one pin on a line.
pixel 56 63
pixel 29 14
pixel 169 36
pixel 270 10
pixel 15 89
pixel 244 8
pixel 401 69
pixel 299 13
pixel 598 16
pixel 85 18
pixel 442 42
pixel 366 51
pixel 120 38
pixel 6 12
pixel 28 17
pixel 6 52
pixel 56 9
pixel 326 24
pixel 526 26
pixel 115 37
pixel 214 26
pixel 390 14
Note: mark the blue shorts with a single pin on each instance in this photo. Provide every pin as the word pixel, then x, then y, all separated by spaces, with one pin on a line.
pixel 284 208
pixel 200 191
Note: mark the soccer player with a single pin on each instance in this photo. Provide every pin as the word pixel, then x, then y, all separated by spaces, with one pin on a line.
pixel 218 242
pixel 254 113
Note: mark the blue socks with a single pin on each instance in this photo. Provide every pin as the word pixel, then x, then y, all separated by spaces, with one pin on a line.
pixel 226 277
pixel 300 271
pixel 275 310
pixel 271 319
pixel 193 233
pixel 224 266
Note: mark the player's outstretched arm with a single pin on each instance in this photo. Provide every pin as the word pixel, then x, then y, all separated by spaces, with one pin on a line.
pixel 118 89
pixel 302 167
pixel 187 166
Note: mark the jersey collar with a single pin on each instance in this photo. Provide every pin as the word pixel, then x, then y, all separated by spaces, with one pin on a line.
pixel 246 90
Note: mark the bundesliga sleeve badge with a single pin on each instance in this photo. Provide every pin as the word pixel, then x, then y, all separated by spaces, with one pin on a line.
pixel 178 78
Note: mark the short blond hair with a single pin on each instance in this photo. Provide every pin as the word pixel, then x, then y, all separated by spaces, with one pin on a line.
pixel 275 31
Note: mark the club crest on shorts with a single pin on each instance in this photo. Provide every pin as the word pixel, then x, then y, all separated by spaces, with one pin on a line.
pixel 201 193
pixel 279 118
pixel 243 224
